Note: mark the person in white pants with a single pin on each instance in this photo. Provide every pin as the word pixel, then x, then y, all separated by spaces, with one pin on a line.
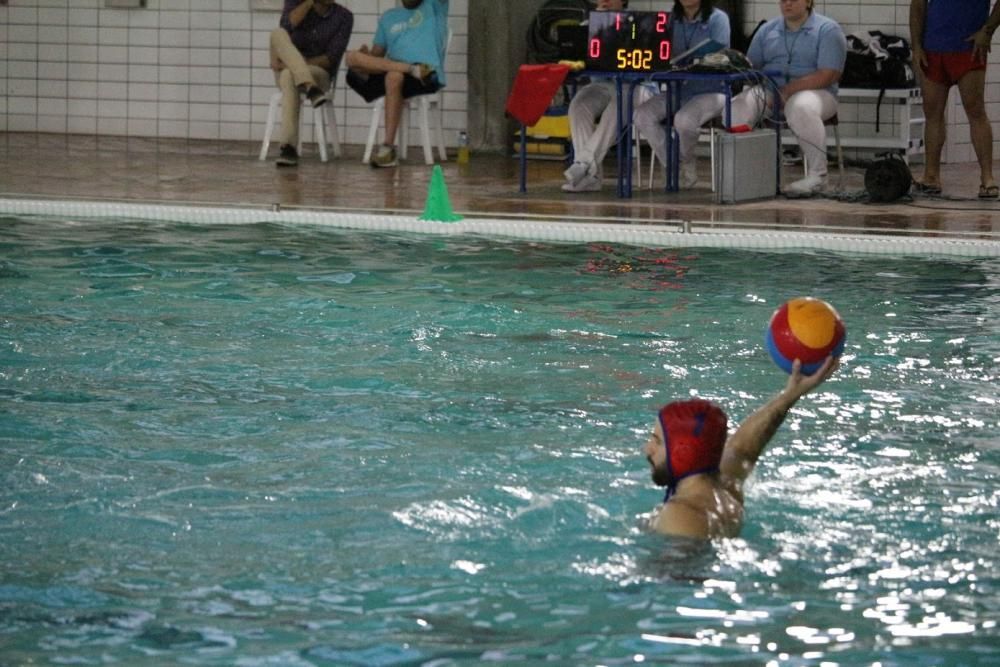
pixel 593 125
pixel 694 21
pixel 807 52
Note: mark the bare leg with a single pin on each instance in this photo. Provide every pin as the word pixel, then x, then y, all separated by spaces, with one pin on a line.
pixel 366 63
pixel 393 105
pixel 935 103
pixel 971 87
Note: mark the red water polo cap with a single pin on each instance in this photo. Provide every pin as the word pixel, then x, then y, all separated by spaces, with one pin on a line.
pixel 694 433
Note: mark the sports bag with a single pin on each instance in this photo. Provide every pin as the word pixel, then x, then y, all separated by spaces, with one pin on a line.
pixel 879 61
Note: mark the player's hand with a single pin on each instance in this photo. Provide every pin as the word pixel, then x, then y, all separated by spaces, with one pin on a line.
pixel 799 384
pixel 980 44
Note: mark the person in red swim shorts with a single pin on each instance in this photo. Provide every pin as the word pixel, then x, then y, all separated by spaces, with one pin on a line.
pixel 703 470
pixel 951 41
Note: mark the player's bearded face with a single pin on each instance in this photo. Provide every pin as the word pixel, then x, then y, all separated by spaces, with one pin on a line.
pixel 660 474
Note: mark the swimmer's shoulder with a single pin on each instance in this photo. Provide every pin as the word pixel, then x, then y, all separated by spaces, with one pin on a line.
pixel 682 519
pixel 710 508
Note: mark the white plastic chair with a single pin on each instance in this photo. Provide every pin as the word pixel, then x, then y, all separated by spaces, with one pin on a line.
pixel 324 127
pixel 646 92
pixel 652 164
pixel 428 106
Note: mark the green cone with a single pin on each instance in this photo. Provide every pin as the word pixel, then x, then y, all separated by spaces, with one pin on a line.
pixel 438 206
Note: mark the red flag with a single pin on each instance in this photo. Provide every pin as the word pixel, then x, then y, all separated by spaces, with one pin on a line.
pixel 534 88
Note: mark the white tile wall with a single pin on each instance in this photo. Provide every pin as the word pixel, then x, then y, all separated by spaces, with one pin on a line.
pixel 178 68
pixel 199 68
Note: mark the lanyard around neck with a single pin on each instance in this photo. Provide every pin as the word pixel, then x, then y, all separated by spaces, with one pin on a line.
pixel 689 33
pixel 791 49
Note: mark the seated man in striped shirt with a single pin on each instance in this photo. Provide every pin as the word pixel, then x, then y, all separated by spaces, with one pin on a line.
pixel 305 54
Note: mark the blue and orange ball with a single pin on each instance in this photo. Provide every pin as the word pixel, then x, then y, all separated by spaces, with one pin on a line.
pixel 806 329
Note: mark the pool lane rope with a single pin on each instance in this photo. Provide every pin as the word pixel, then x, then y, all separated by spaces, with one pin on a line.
pixel 681 234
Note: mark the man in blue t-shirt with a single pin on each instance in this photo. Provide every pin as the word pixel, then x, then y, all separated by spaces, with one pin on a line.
pixel 951 40
pixel 406 59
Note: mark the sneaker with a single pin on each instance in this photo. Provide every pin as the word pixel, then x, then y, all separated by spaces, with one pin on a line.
pixel 589 183
pixel 288 157
pixel 316 96
pixel 421 72
pixel 576 171
pixel 385 156
pixel 806 187
pixel 688 176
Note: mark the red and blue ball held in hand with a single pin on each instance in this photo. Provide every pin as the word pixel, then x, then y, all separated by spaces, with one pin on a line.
pixel 806 329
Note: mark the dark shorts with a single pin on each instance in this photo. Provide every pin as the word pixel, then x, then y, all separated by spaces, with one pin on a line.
pixel 948 68
pixel 372 86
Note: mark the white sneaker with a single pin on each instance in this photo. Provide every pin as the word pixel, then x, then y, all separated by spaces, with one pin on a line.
pixel 805 187
pixel 576 172
pixel 688 177
pixel 588 183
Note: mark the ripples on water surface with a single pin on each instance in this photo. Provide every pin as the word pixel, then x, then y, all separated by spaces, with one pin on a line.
pixel 268 445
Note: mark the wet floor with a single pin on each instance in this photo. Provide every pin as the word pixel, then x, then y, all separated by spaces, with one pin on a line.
pixel 215 172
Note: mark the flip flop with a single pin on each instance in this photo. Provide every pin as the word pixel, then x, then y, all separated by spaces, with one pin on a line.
pixel 923 188
pixel 989 191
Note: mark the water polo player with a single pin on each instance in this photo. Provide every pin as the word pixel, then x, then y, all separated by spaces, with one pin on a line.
pixel 702 470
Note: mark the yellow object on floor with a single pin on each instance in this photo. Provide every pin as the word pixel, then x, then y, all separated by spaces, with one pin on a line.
pixel 547 139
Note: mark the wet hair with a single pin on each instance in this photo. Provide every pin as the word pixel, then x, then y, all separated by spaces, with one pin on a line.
pixel 704 11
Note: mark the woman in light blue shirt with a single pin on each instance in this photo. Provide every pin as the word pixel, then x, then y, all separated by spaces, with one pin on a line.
pixel 805 52
pixel 694 21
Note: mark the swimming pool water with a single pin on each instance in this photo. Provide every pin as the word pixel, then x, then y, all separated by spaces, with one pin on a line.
pixel 261 445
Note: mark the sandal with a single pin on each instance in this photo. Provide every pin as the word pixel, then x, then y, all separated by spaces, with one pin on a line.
pixel 926 189
pixel 989 191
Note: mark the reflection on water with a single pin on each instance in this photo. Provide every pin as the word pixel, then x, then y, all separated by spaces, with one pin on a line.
pixel 268 445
